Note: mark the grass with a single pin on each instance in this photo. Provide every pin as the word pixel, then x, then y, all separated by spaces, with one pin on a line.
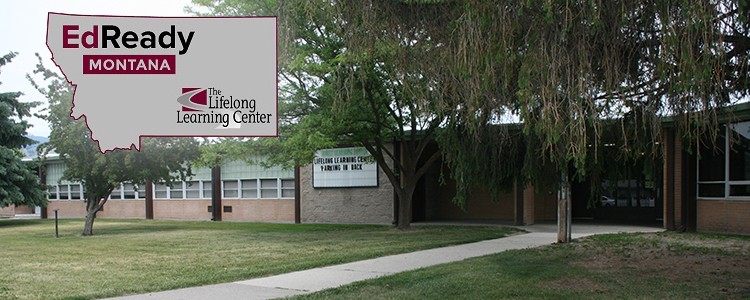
pixel 138 256
pixel 616 266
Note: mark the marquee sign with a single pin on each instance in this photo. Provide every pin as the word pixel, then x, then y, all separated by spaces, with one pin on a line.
pixel 344 167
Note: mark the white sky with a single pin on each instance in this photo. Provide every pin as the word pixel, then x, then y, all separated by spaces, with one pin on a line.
pixel 23 29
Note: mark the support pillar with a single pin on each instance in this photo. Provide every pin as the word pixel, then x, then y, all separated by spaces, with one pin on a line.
pixel 519 205
pixel 297 196
pixel 43 180
pixel 216 194
pixel 149 200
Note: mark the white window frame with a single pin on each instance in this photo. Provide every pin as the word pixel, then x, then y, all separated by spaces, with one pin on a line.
pixel 260 188
pixel 282 189
pixel 236 189
pixel 727 183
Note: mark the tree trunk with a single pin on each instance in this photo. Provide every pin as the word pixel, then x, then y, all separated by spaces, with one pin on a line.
pixel 92 207
pixel 404 206
pixel 564 211
pixel 88 227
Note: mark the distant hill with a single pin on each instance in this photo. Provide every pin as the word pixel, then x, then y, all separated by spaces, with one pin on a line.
pixel 30 150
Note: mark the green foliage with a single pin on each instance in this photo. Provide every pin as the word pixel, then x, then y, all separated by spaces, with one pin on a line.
pixel 566 69
pixel 19 183
pixel 336 93
pixel 159 160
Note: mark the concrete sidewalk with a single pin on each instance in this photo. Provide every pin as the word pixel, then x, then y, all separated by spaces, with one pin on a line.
pixel 318 279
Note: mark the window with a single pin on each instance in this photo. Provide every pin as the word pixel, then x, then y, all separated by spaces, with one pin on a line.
pixel 175 190
pixel 63 190
pixel 249 188
pixel 269 188
pixel 129 191
pixel 75 191
pixel 287 188
pixel 230 189
pixel 116 193
pixel 739 160
pixel 52 192
pixel 160 191
pixel 207 189
pixel 724 170
pixel 192 189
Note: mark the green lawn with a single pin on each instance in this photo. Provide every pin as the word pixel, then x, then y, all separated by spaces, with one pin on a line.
pixel 137 256
pixel 618 266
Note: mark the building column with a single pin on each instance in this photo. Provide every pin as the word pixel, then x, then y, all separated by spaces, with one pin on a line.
pixel 43 181
pixel 528 205
pixel 297 196
pixel 669 180
pixel 518 215
pixel 149 200
pixel 216 193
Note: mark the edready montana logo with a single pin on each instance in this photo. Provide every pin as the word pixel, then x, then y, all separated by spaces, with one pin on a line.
pixel 217 84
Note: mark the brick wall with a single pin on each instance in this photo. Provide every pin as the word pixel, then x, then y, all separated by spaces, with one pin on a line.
pixel 24 209
pixel 261 210
pixel 255 210
pixel 478 207
pixel 9 211
pixel 67 208
pixel 731 216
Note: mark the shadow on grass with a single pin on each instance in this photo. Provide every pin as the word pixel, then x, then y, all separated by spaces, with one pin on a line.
pixel 6 223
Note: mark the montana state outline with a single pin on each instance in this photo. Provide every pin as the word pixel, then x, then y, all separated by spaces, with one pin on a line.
pixel 140 77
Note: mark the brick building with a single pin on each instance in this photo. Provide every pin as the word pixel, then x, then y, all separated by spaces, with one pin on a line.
pixel 696 187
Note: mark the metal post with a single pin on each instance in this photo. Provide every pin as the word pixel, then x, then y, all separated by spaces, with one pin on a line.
pixel 57 232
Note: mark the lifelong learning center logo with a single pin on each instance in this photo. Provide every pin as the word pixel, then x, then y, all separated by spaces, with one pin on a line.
pixel 209 106
pixel 223 84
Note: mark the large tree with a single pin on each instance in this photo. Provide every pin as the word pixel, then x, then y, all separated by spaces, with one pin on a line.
pixel 19 184
pixel 567 69
pixel 335 94
pixel 571 73
pixel 159 160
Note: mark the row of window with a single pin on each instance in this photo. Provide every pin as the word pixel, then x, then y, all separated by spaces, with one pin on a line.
pixel 724 171
pixel 195 189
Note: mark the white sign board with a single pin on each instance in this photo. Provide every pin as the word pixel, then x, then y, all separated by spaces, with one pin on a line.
pixel 344 167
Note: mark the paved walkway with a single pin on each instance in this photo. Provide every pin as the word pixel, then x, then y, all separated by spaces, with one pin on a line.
pixel 318 279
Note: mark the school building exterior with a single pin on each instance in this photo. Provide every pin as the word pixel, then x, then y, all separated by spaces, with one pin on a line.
pixel 698 188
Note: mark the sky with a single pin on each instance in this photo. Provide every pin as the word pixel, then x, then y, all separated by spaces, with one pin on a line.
pixel 23 29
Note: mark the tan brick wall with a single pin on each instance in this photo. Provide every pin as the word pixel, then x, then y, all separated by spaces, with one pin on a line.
pixel 24 209
pixel 67 208
pixel 121 209
pixel 260 210
pixel 182 209
pixel 255 210
pixel 126 209
pixel 732 216
pixel 9 211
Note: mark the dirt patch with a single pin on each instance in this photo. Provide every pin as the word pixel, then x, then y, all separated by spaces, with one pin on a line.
pixel 721 265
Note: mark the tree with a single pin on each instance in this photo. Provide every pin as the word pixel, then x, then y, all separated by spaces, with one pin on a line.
pixel 159 160
pixel 567 69
pixel 335 94
pixel 19 184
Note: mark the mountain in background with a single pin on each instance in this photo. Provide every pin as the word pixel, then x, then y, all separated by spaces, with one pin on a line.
pixel 30 150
